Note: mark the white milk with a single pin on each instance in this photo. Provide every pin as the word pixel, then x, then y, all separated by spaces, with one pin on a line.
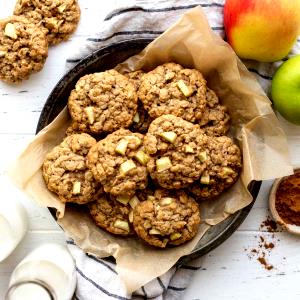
pixel 13 219
pixel 50 264
pixel 30 291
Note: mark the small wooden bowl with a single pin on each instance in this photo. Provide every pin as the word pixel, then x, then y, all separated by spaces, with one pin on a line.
pixel 276 217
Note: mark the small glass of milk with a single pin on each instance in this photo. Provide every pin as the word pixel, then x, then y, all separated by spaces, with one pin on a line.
pixel 47 273
pixel 13 218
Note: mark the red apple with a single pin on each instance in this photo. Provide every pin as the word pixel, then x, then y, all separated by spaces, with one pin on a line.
pixel 264 30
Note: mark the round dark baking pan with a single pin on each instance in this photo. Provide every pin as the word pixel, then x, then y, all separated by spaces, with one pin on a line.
pixel 106 58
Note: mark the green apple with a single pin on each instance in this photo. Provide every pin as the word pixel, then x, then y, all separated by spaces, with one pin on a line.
pixel 286 90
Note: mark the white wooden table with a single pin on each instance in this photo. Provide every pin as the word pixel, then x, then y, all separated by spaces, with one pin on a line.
pixel 227 272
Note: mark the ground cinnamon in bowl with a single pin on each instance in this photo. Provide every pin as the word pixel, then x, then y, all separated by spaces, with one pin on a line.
pixel 287 199
pixel 284 202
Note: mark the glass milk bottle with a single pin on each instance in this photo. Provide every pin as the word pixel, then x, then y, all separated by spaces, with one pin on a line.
pixel 47 273
pixel 13 218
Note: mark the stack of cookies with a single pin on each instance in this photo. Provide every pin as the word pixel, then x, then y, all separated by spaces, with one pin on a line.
pixel 25 36
pixel 143 149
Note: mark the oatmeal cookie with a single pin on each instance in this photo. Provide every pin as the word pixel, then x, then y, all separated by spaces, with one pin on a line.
pixel 170 218
pixel 211 98
pixel 215 119
pixel 171 89
pixel 174 146
pixel 57 18
pixel 111 215
pixel 65 171
pixel 135 77
pixel 77 128
pixel 23 49
pixel 222 166
pixel 119 163
pixel 103 102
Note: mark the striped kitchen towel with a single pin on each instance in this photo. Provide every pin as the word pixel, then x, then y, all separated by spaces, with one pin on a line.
pixel 148 19
pixel 97 278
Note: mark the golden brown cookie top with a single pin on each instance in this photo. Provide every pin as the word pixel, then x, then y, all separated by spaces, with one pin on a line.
pixel 119 162
pixel 23 49
pixel 223 163
pixel 174 146
pixel 57 18
pixel 103 102
pixel 135 77
pixel 169 132
pixel 66 173
pixel 112 215
pixel 170 218
pixel 171 89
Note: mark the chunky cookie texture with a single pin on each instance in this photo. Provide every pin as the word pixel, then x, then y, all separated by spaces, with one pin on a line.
pixel 170 218
pixel 215 119
pixel 76 128
pixel 171 89
pixel 135 77
pixel 119 163
pixel 103 102
pixel 23 49
pixel 65 171
pixel 174 146
pixel 222 166
pixel 112 215
pixel 57 18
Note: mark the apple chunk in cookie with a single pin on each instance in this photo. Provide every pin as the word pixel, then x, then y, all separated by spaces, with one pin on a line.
pixel 171 89
pixel 119 162
pixel 222 166
pixel 174 145
pixel 112 214
pixel 66 173
pixel 23 49
pixel 168 218
pixel 57 18
pixel 103 102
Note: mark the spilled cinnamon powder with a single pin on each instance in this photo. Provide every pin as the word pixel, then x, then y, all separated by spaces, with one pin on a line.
pixel 263 261
pixel 269 225
pixel 269 245
pixel 262 252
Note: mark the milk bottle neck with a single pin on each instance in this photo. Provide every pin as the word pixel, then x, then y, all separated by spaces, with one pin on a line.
pixel 30 289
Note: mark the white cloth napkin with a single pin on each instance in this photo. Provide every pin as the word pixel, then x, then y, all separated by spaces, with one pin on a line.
pixel 97 278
